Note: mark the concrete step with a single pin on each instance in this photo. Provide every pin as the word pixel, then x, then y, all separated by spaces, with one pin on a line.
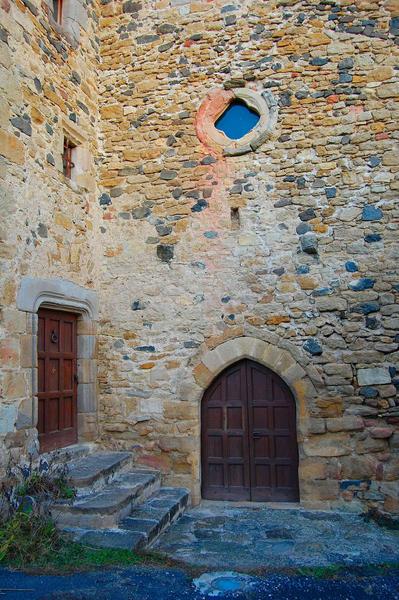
pixel 105 508
pixel 96 470
pixel 142 527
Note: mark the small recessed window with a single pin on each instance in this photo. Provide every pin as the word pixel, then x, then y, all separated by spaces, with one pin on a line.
pixel 235 218
pixel 237 120
pixel 57 11
pixel 67 162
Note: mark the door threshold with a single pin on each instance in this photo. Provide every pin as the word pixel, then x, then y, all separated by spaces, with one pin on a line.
pixel 249 504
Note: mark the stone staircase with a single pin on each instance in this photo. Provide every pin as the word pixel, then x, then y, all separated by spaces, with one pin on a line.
pixel 117 505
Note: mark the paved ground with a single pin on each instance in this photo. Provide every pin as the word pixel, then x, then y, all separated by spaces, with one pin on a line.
pixel 223 539
pixel 157 584
pixel 222 536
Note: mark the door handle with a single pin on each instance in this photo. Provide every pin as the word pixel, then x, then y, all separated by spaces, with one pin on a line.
pixel 75 378
pixel 257 435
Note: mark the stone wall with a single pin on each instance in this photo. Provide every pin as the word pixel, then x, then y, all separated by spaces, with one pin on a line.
pixel 308 263
pixel 286 254
pixel 48 85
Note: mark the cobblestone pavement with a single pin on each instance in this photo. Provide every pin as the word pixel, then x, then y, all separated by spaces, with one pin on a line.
pixel 219 535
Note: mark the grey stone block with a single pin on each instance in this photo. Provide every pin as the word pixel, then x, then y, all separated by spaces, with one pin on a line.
pixel 373 376
pixel 87 402
pixel 108 538
pixel 90 468
pixel 86 346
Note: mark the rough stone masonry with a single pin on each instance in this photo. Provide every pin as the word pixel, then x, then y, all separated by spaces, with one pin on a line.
pixel 286 253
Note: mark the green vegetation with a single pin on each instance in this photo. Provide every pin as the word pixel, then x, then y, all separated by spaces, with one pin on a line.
pixel 27 533
pixel 68 557
pixel 29 539
pixel 321 572
pixel 25 536
pixel 338 571
pixel 39 484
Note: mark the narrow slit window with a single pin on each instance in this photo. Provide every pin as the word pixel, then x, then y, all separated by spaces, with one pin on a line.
pixel 57 11
pixel 235 218
pixel 67 161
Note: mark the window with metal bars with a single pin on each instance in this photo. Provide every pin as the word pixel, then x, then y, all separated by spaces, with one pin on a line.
pixel 67 162
pixel 57 10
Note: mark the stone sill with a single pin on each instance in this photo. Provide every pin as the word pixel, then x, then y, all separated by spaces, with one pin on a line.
pixel 75 187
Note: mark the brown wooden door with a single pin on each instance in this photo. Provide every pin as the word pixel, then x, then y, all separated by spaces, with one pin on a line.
pixel 249 444
pixel 57 382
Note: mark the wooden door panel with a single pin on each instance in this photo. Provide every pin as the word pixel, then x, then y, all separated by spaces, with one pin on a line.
pixel 67 337
pixel 216 475
pixel 236 476
pixel 234 417
pixel 282 447
pixel 67 412
pixel 272 433
pixel 262 476
pixel 249 446
pixel 68 372
pixel 215 418
pixel 281 418
pixel 57 389
pixel 235 446
pixel 224 418
pixel 215 446
pixel 283 476
pixel 261 447
pixel 53 375
pixel 52 339
pixel 260 417
pixel 52 415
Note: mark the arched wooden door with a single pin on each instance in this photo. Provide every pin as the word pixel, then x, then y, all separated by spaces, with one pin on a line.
pixel 249 443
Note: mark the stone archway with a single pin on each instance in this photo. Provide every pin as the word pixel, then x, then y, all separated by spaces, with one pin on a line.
pixel 283 361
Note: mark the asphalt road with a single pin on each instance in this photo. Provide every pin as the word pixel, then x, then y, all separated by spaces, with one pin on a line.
pixel 139 583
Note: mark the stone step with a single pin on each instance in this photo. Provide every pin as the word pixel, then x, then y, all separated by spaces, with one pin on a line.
pixel 96 470
pixel 142 527
pixel 107 538
pixel 156 514
pixel 103 509
pixel 70 454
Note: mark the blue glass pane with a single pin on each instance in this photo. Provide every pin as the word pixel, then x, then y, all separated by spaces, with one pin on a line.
pixel 237 120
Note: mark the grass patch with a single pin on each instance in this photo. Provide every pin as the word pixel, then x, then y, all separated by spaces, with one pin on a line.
pixel 339 571
pixel 73 557
pixel 327 572
pixel 61 556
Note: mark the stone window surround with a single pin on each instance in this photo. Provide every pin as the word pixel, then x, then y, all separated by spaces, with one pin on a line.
pixel 61 294
pixel 74 16
pixel 82 173
pixel 280 360
pixel 214 105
